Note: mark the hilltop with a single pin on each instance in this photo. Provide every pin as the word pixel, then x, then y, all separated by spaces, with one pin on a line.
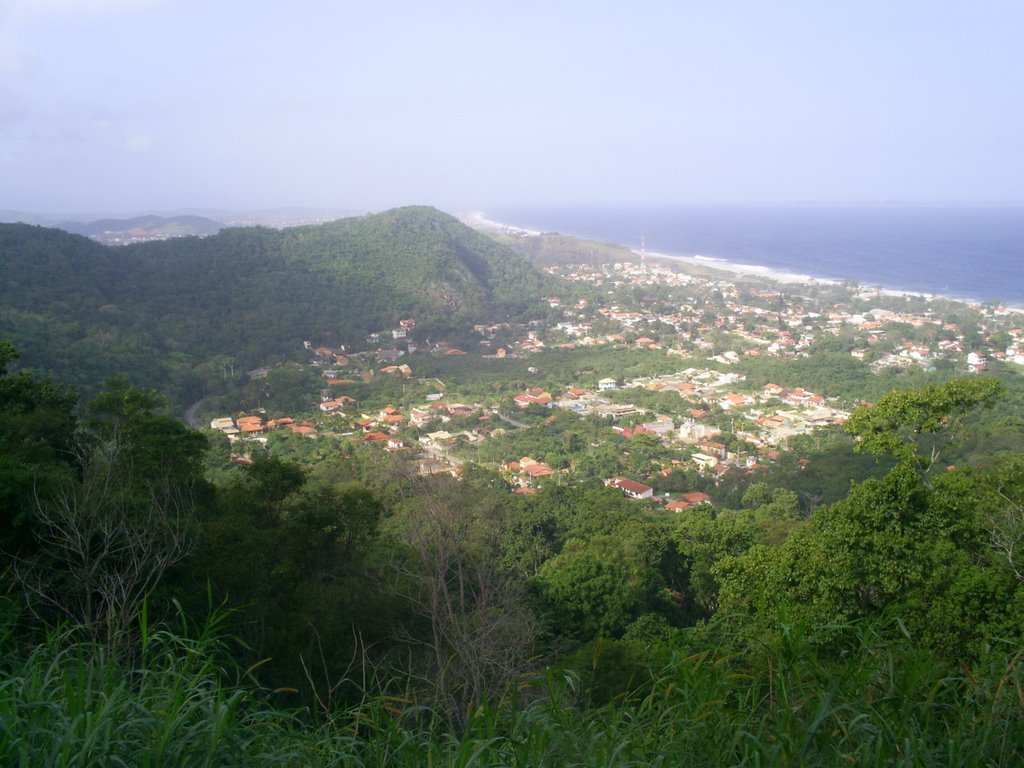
pixel 81 311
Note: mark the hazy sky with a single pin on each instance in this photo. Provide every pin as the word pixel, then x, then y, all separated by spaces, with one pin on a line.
pixel 133 105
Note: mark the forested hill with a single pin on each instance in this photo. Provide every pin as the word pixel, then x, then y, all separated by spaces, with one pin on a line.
pixel 81 311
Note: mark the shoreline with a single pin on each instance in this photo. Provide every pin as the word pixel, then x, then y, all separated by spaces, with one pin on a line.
pixel 478 220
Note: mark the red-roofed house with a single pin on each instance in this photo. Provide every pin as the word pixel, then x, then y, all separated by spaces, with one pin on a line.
pixel 631 488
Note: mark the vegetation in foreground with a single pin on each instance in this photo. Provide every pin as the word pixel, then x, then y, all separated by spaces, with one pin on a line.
pixel 375 618
pixel 781 701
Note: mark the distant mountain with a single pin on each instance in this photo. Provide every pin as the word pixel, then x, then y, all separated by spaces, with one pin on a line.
pixel 25 217
pixel 160 310
pixel 143 228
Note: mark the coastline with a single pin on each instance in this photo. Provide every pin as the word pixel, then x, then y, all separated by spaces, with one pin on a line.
pixel 479 220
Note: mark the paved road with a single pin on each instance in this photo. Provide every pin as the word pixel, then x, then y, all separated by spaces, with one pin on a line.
pixel 440 454
pixel 513 422
pixel 190 414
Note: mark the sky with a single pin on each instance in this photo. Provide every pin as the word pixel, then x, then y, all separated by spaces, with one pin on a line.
pixel 118 106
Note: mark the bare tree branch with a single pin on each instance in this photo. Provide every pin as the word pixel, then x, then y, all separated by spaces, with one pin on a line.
pixel 1006 533
pixel 481 631
pixel 103 545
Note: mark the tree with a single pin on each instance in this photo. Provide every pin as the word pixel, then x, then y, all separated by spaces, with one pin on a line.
pixel 38 448
pixel 1005 519
pixel 104 539
pixel 916 425
pixel 102 546
pixel 895 545
pixel 602 582
pixel 302 564
pixel 131 426
pixel 479 630
pixel 702 541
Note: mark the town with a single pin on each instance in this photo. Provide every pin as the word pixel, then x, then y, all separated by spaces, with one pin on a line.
pixel 685 409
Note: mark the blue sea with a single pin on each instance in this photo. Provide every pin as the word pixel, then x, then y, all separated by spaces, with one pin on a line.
pixel 973 253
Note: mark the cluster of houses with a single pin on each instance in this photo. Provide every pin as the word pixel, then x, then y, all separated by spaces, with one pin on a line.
pixel 774 322
pixel 757 321
pixel 641 491
pixel 255 426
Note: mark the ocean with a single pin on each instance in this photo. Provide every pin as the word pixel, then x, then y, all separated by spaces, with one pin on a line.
pixel 971 253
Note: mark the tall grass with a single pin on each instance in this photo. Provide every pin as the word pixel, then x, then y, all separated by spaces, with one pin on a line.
pixel 777 702
pixel 884 703
pixel 70 702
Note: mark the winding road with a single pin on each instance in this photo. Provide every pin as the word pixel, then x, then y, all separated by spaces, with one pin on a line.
pixel 190 414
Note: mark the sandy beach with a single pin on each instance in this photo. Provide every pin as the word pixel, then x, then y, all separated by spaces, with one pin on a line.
pixel 478 220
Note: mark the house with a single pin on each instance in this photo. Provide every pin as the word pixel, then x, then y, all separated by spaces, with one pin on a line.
pixel 718 450
pixel 403 371
pixel 662 427
pixel 629 432
pixel 418 417
pixel 797 396
pixel 437 438
pixel 606 384
pixel 733 400
pixel 527 471
pixel 691 432
pixel 533 396
pixel 434 467
pixel 393 421
pixel 703 461
pixel 688 500
pixel 538 470
pixel 976 363
pixel 250 425
pixel 631 488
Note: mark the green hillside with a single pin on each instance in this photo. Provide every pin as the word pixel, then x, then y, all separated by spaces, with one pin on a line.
pixel 80 311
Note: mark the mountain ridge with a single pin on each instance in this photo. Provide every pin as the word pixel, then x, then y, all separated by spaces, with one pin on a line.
pixel 78 309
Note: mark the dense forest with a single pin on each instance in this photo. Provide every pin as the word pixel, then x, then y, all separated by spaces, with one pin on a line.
pixel 165 312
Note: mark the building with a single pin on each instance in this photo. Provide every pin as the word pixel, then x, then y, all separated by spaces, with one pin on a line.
pixel 631 488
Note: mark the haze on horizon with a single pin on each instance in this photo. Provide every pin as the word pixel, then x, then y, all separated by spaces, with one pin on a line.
pixel 136 105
